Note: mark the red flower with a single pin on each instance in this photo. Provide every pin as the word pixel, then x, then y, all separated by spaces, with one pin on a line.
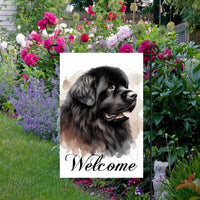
pixel 106 20
pixel 90 12
pixel 179 62
pixel 31 59
pixel 126 48
pixel 123 9
pixel 84 37
pixel 188 183
pixel 166 55
pixel 145 48
pixel 112 16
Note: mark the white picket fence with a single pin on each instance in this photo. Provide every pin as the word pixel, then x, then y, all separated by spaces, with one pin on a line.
pixel 6 12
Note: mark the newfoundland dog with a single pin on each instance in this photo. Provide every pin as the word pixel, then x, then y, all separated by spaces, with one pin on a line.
pixel 94 116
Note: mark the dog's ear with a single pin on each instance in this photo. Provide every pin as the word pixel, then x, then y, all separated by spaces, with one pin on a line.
pixel 84 90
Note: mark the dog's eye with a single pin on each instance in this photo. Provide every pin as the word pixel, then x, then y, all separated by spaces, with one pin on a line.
pixel 111 88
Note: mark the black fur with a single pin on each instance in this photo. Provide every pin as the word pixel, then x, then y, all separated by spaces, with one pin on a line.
pixel 91 111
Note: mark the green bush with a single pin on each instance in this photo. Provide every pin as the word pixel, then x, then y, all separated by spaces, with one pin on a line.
pixel 183 169
pixel 29 11
pixel 176 102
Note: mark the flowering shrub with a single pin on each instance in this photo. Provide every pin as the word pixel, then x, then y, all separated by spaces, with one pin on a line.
pixel 37 108
pixel 175 82
pixel 117 188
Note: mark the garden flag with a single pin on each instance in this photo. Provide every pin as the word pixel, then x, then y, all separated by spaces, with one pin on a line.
pixel 101 115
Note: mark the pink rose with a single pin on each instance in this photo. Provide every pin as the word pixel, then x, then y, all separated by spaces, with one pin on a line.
pixel 52 20
pixel 42 23
pixel 60 47
pixel 126 48
pixel 49 19
pixel 47 43
pixel 166 55
pixel 145 48
pixel 71 39
pixel 24 77
pixel 79 27
pixel 90 12
pixel 36 37
pixel 31 59
pixel 15 115
pixel 24 52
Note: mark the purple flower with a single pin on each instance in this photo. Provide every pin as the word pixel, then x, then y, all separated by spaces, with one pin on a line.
pixel 37 108
pixel 102 44
pixel 138 191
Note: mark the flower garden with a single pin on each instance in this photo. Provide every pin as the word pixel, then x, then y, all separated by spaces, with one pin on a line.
pixel 29 92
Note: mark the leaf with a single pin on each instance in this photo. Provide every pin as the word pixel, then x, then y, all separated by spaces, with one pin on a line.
pixel 193 102
pixel 194 198
pixel 187 125
pixel 171 159
pixel 169 84
pixel 164 149
pixel 163 94
pixel 157 119
pixel 196 68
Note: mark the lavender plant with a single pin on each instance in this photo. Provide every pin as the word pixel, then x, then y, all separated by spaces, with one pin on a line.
pixel 37 108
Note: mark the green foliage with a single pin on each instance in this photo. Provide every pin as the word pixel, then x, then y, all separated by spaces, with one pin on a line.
pixel 182 170
pixel 8 107
pixel 190 11
pixel 167 15
pixel 28 12
pixel 79 5
pixel 8 72
pixel 176 102
pixel 131 194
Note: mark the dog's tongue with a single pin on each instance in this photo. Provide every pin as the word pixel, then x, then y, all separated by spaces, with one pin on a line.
pixel 127 114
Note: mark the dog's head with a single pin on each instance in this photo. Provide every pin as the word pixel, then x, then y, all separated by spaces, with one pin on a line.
pixel 105 91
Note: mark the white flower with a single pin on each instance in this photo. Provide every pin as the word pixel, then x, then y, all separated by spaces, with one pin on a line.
pixel 112 42
pixel 91 35
pixel 4 45
pixel 63 25
pixel 68 30
pixel 20 38
pixel 89 46
pixel 44 33
pixel 124 32
pixel 19 27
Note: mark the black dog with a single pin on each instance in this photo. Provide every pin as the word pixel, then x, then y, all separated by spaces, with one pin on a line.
pixel 94 116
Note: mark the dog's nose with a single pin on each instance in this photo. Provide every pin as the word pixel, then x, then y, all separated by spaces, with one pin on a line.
pixel 131 96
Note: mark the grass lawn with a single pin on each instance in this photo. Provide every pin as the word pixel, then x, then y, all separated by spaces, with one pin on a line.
pixel 29 168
